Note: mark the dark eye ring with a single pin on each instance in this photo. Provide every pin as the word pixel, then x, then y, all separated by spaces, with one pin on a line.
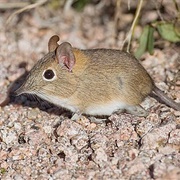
pixel 49 74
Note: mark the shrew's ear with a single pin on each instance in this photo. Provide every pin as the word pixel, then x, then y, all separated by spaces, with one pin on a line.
pixel 52 44
pixel 65 55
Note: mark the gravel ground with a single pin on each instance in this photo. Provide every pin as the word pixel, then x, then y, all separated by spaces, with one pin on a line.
pixel 39 141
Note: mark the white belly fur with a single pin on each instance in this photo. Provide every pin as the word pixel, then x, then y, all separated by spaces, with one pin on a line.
pixel 60 102
pixel 106 109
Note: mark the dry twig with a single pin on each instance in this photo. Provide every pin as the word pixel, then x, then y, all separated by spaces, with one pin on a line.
pixel 31 6
pixel 5 6
pixel 117 15
pixel 67 6
pixel 130 33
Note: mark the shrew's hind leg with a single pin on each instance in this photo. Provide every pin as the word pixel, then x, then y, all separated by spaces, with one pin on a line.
pixel 137 111
pixel 119 111
pixel 97 120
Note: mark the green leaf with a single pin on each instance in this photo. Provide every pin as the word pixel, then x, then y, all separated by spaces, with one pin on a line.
pixel 167 32
pixel 143 40
pixel 3 171
pixel 150 43
pixel 177 27
pixel 80 4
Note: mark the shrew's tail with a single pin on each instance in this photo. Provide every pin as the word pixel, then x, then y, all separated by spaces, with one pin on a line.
pixel 162 97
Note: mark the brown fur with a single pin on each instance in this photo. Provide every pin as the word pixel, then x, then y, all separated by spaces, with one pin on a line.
pixel 88 80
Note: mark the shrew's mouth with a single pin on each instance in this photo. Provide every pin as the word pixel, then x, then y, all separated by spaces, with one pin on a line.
pixel 19 91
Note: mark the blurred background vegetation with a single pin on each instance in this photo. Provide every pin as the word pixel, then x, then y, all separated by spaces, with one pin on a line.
pixel 164 24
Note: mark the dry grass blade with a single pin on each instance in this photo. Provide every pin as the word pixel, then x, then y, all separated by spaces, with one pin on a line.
pixel 130 33
pixel 68 5
pixel 117 16
pixel 5 6
pixel 31 6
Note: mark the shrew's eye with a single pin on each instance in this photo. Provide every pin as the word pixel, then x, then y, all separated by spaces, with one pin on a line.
pixel 49 74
